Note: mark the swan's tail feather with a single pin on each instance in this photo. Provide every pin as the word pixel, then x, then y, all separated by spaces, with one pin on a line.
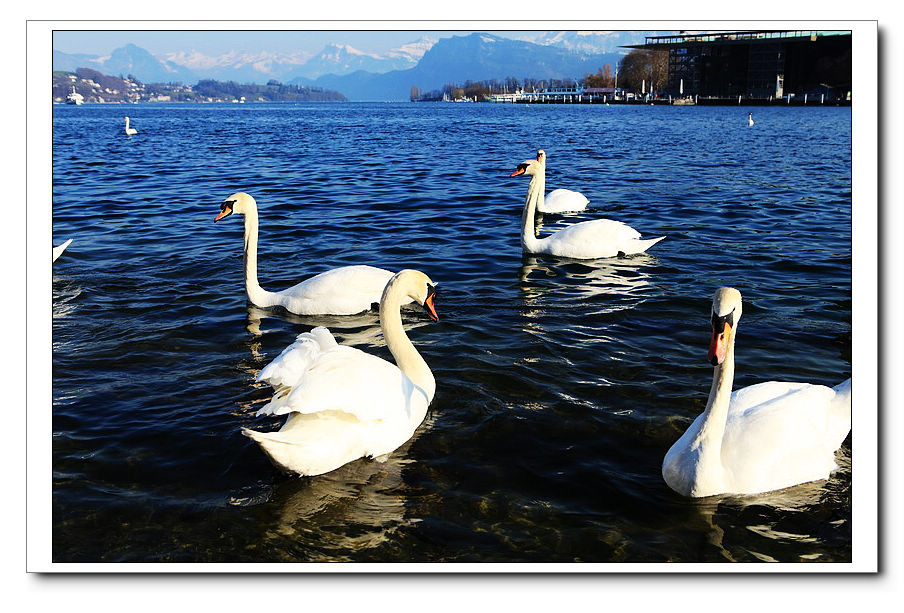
pixel 300 456
pixel 58 251
pixel 641 245
pixel 265 438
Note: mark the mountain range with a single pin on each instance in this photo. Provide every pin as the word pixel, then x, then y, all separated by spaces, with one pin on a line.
pixel 425 63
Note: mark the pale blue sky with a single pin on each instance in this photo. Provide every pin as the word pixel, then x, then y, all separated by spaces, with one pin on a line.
pixel 221 41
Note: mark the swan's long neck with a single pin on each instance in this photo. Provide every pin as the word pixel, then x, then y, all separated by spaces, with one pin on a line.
pixel 712 428
pixel 529 240
pixel 256 293
pixel 406 356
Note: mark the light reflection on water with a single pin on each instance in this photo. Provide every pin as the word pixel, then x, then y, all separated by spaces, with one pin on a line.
pixel 560 384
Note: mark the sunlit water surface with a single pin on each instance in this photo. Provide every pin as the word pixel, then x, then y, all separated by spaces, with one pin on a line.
pixel 560 384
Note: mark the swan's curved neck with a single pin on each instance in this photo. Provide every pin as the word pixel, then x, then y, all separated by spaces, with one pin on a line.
pixel 406 356
pixel 256 293
pixel 712 429
pixel 529 240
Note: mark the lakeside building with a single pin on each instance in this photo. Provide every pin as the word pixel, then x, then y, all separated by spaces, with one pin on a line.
pixel 767 65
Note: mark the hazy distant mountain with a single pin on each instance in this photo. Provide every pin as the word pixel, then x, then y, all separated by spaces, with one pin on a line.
pixel 188 66
pixel 474 57
pixel 345 59
pixel 127 60
pixel 69 62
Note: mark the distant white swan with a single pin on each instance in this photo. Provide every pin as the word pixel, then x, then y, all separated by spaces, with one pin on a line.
pixel 560 200
pixel 344 404
pixel 130 131
pixel 58 251
pixel 760 438
pixel 600 238
pixel 749 119
pixel 340 291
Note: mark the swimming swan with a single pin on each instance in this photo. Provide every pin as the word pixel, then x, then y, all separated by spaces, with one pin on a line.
pixel 749 119
pixel 560 200
pixel 130 131
pixel 760 438
pixel 344 404
pixel 58 251
pixel 340 291
pixel 599 238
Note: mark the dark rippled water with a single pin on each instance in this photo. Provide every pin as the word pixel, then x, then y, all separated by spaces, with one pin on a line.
pixel 560 384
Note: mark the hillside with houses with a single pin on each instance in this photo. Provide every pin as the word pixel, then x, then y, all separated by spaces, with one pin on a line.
pixel 91 86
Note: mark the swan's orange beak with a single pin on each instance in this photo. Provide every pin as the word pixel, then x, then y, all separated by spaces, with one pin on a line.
pixel 225 211
pixel 718 346
pixel 522 168
pixel 429 307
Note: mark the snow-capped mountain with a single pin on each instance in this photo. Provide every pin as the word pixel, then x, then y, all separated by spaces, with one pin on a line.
pixel 476 57
pixel 344 59
pixel 190 65
pixel 599 41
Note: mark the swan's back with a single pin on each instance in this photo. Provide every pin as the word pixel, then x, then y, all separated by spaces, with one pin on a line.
pixel 341 291
pixel 598 238
pixel 562 201
pixel 779 434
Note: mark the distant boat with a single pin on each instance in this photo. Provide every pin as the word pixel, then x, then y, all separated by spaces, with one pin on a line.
pixel 74 97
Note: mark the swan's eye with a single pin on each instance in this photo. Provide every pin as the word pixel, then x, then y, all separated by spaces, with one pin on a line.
pixel 719 321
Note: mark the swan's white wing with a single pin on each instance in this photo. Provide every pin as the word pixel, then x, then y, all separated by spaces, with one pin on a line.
pixel 341 291
pixel 562 200
pixel 315 374
pixel 761 394
pixel 779 434
pixel 291 364
pixel 598 238
pixel 357 383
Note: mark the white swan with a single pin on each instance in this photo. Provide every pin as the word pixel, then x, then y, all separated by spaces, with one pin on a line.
pixel 130 131
pixel 58 251
pixel 760 438
pixel 341 291
pixel 600 238
pixel 344 404
pixel 560 200
pixel 749 119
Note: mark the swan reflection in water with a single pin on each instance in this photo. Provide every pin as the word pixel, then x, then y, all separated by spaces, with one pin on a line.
pixel 65 296
pixel 338 515
pixel 609 285
pixel 763 526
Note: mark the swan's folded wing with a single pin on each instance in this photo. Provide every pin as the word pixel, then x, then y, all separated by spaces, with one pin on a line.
pixel 761 394
pixel 353 382
pixel 591 238
pixel 564 200
pixel 345 290
pixel 295 359
pixel 779 430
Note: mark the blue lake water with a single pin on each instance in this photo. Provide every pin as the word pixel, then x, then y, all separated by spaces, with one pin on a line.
pixel 560 384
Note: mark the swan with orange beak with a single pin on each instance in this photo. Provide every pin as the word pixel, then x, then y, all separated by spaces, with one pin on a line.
pixel 759 438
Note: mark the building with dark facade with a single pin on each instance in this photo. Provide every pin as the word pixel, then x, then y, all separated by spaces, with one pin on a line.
pixel 765 65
